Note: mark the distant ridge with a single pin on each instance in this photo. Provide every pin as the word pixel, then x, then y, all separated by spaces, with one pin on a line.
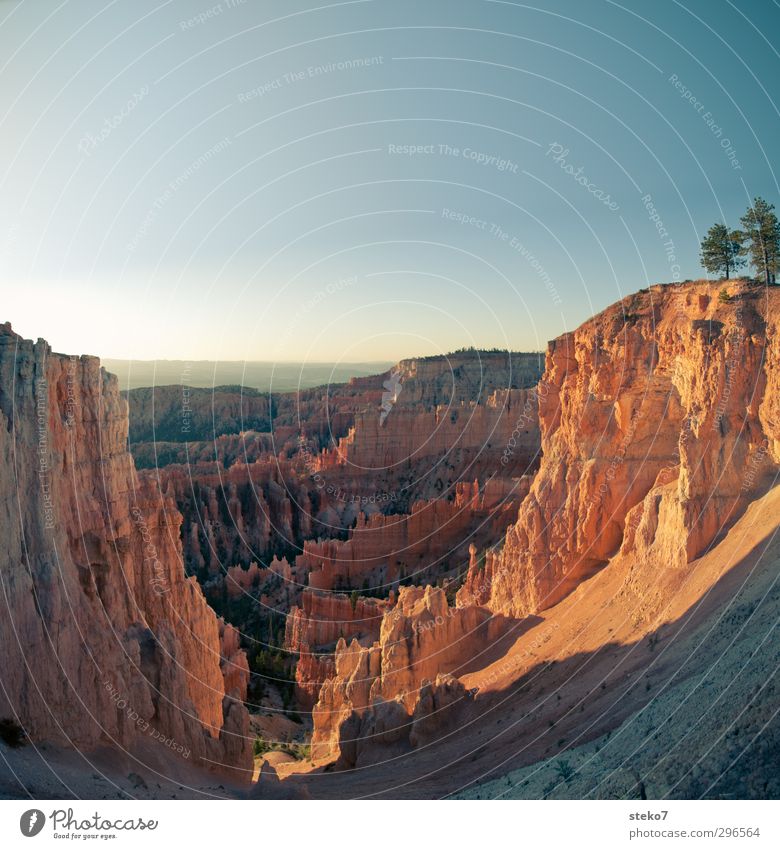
pixel 264 376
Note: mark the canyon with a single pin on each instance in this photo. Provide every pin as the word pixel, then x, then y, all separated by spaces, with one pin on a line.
pixel 469 575
pixel 658 428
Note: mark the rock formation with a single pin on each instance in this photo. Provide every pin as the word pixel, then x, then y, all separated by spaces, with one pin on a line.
pixel 105 639
pixel 239 514
pixel 314 629
pixel 267 514
pixel 464 377
pixel 434 539
pixel 659 422
pixel 428 450
pixel 251 496
pixel 430 540
pixel 397 685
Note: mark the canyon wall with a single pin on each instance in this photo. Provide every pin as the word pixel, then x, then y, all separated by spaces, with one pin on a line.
pixel 427 449
pixel 431 540
pixel 464 377
pixel 105 639
pixel 251 496
pixel 243 513
pixel 359 487
pixel 659 422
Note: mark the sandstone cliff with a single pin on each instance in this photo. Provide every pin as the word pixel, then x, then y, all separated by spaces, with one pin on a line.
pixel 105 639
pixel 431 540
pixel 429 449
pixel 659 425
pixel 659 422
pixel 465 377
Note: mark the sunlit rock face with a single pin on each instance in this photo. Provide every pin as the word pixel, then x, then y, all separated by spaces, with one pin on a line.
pixel 659 425
pixel 105 639
pixel 314 629
pixel 659 421
pixel 393 690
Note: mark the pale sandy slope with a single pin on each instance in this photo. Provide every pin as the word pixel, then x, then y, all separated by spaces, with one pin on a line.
pixel 710 727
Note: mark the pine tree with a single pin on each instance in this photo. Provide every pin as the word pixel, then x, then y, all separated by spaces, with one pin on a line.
pixel 762 232
pixel 721 250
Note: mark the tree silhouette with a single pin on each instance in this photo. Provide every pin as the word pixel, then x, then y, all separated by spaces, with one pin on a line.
pixel 721 250
pixel 762 232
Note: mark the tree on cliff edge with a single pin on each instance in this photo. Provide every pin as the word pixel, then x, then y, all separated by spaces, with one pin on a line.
pixel 721 250
pixel 762 232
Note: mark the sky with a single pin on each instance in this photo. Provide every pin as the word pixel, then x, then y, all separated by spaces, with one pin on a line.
pixel 366 180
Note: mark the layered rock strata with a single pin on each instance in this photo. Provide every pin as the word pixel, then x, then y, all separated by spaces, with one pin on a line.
pixel 659 422
pixel 432 539
pixel 105 639
pixel 314 629
pixel 402 685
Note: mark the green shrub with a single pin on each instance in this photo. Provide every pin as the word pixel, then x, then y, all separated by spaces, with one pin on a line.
pixel 299 751
pixel 565 770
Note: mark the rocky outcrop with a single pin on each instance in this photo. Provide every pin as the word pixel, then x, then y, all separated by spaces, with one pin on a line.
pixel 386 730
pixel 429 450
pixel 234 665
pixel 395 685
pixel 105 639
pixel 314 628
pixel 464 377
pixel 251 496
pixel 325 618
pixel 659 421
pixel 253 512
pixel 267 514
pixel 419 546
pixel 278 585
pixel 379 552
pixel 237 515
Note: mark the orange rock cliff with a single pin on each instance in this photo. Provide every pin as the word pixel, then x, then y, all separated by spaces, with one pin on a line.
pixel 106 641
pixel 660 422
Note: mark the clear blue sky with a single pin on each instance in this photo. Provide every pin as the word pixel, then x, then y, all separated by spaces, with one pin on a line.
pixel 233 180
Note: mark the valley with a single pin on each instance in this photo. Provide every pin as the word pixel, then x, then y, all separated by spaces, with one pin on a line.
pixel 482 574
